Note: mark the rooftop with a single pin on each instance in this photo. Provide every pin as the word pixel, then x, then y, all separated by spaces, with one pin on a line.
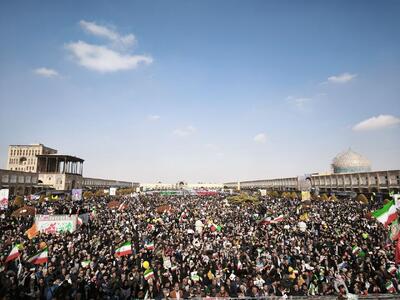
pixel 62 156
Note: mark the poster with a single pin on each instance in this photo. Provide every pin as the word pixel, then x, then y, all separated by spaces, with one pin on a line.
pixel 113 191
pixel 76 194
pixel 263 192
pixel 3 199
pixel 56 223
pixel 305 195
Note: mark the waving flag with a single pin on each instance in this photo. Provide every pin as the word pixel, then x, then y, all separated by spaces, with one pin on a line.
pixel 387 214
pixel 14 253
pixel 148 274
pixel 149 246
pixel 124 249
pixel 40 258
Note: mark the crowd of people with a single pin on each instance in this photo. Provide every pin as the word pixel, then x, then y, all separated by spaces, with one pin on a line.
pixel 201 247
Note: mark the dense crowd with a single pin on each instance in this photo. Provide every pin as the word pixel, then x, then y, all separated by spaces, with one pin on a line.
pixel 203 247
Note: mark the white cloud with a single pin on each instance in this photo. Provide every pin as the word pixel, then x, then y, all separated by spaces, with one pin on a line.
pixel 379 122
pixel 299 102
pixel 183 132
pixel 260 138
pixel 46 72
pixel 103 31
pixel 103 59
pixel 342 78
pixel 153 117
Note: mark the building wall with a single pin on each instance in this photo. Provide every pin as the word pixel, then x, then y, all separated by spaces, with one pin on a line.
pixel 61 182
pixel 19 183
pixel 375 181
pixel 107 183
pixel 23 157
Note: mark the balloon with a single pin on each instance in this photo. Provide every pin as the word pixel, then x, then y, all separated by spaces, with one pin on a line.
pixel 146 264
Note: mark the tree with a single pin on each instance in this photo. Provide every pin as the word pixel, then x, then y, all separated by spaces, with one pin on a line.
pixel 99 193
pixel 314 197
pixel 19 201
pixel 324 197
pixel 284 194
pixel 87 195
pixel 274 194
pixel 333 198
pixel 362 199
pixel 293 195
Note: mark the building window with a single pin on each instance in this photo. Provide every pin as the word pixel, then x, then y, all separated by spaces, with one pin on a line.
pixel 13 179
pixel 4 178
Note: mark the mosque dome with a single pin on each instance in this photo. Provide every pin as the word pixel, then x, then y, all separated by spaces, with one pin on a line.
pixel 350 162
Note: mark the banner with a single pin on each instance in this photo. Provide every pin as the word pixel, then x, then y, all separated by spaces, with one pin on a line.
pixel 113 191
pixel 3 199
pixel 56 223
pixel 76 194
pixel 305 195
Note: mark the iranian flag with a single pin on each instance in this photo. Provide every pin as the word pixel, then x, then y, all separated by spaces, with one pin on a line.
pixel 390 287
pixel 85 263
pixel 392 270
pixel 125 249
pixel 148 274
pixel 269 220
pixel 394 230
pixel 278 219
pixel 149 246
pixel 356 250
pixel 387 214
pixel 14 253
pixel 40 258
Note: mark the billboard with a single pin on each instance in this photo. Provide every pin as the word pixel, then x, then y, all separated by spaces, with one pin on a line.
pixel 56 223
pixel 76 194
pixel 3 199
pixel 113 191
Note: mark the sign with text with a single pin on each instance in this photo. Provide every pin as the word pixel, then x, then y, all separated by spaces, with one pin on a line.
pixel 76 194
pixel 4 199
pixel 56 223
pixel 113 191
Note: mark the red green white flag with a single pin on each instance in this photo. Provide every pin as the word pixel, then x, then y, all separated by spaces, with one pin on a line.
pixel 14 253
pixel 148 274
pixel 390 287
pixel 149 246
pixel 124 249
pixel 40 258
pixel 387 214
pixel 394 230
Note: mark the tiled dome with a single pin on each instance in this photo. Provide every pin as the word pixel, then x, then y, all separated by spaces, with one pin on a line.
pixel 349 162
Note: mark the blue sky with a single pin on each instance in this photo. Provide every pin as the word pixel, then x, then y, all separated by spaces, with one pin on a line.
pixel 202 90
